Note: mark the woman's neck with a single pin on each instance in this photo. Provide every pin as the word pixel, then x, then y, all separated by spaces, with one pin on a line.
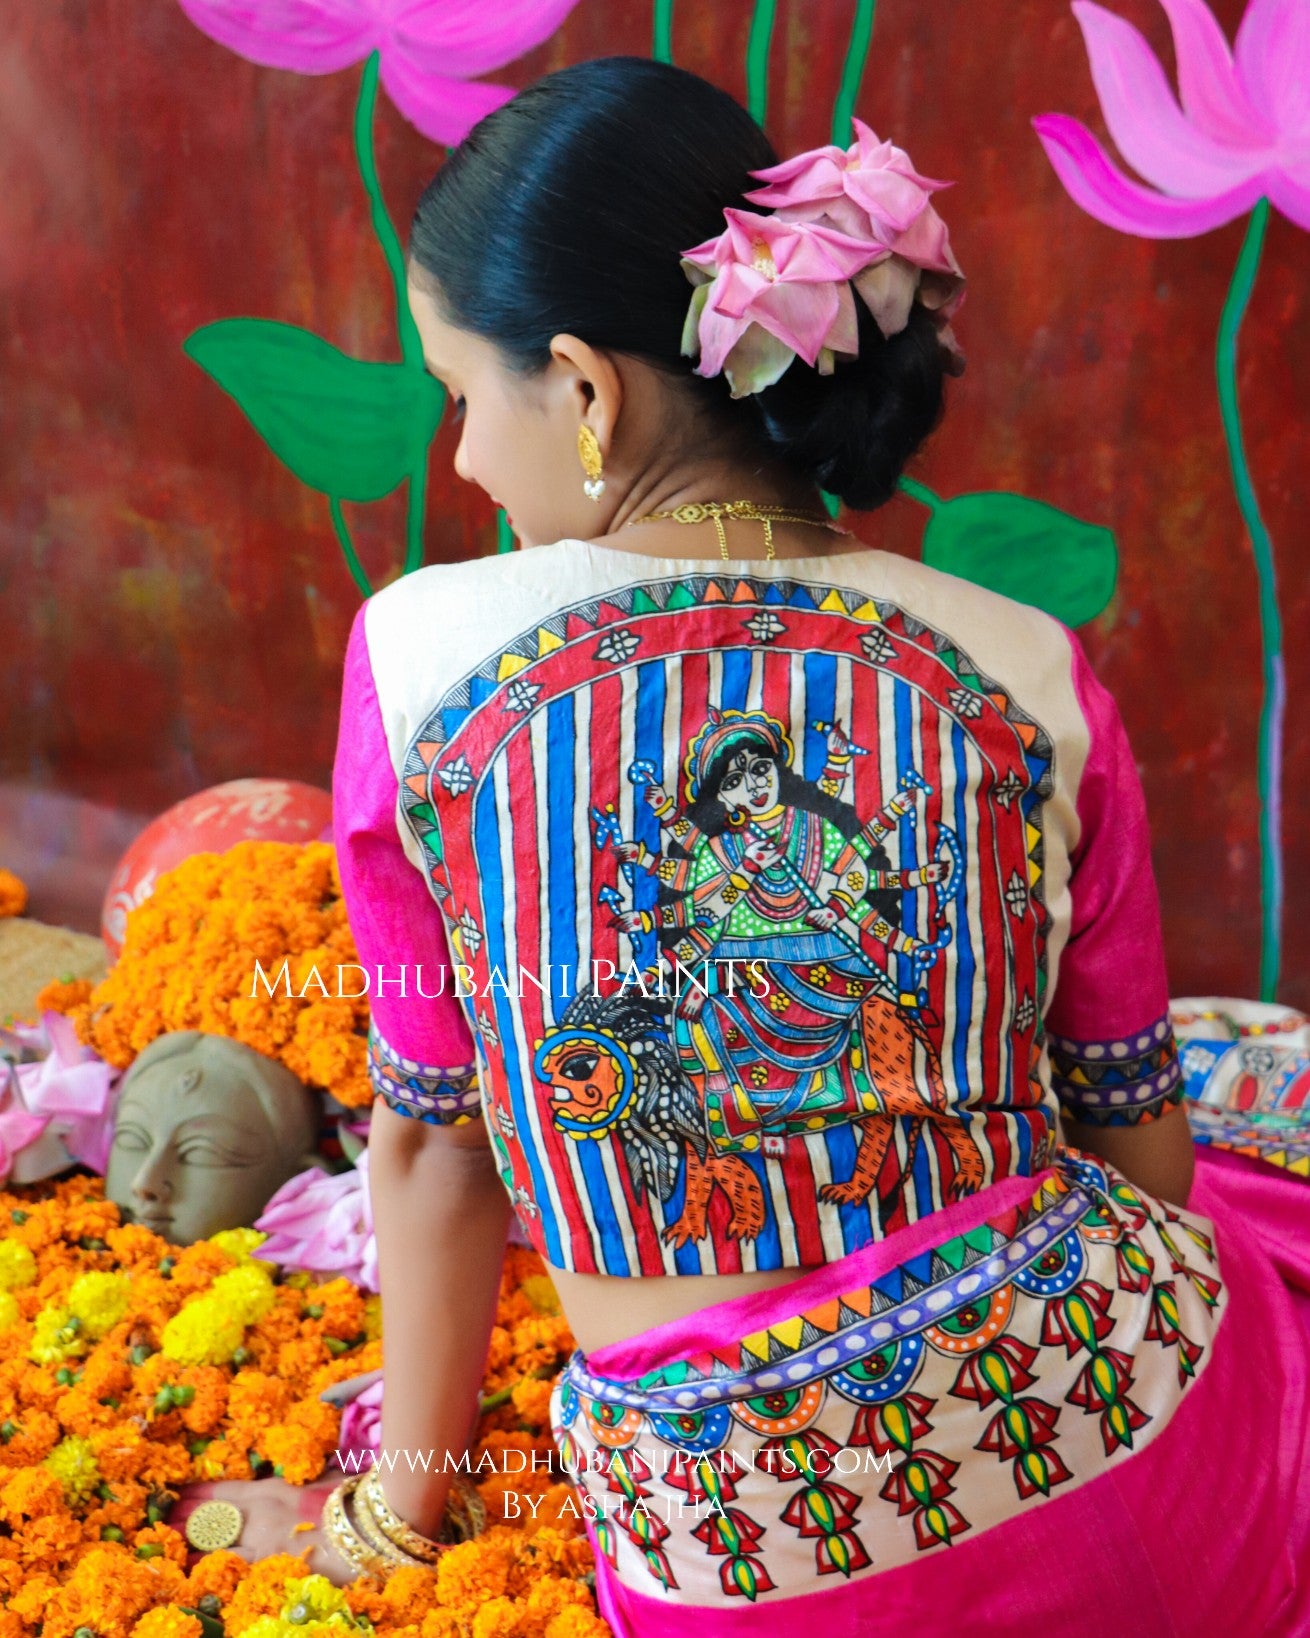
pixel 665 537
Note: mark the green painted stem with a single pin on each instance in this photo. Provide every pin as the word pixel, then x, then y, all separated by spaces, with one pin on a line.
pixel 662 41
pixel 920 492
pixel 411 346
pixel 857 54
pixel 348 546
pixel 757 58
pixel 1270 752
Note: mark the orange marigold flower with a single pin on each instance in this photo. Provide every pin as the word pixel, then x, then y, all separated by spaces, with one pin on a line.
pixel 172 1541
pixel 475 1571
pixel 189 957
pixel 63 994
pixel 168 1622
pixel 531 1399
pixel 29 1493
pixel 216 1575
pixel 497 1618
pixel 576 1622
pixel 297 1455
pixel 262 1591
pixel 13 894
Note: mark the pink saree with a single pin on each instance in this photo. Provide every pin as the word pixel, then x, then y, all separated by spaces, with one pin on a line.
pixel 1059 1404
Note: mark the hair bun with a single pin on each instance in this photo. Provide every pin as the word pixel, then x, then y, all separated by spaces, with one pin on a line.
pixel 854 431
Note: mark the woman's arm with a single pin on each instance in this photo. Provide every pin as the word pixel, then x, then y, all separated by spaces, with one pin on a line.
pixel 1114 1062
pixel 1159 1158
pixel 440 1210
pixel 441 1215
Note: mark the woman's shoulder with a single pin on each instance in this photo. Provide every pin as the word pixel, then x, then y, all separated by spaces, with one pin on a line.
pixel 474 592
pixel 989 628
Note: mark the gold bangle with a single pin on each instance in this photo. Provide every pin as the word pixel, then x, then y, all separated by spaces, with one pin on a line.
pixel 366 1522
pixel 391 1526
pixel 465 1516
pixel 343 1536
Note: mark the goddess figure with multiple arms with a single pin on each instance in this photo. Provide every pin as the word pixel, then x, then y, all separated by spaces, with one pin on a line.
pixel 774 896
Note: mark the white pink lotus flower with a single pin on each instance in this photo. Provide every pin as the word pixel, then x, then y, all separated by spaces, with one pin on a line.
pixel 57 1101
pixel 847 221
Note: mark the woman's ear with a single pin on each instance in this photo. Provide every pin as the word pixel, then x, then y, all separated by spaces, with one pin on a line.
pixel 592 384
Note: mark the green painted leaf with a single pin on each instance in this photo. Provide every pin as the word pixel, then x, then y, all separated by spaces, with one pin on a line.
pixel 1027 550
pixel 347 428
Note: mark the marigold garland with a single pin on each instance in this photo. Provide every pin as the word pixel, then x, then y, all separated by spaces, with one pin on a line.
pixel 137 1399
pixel 189 955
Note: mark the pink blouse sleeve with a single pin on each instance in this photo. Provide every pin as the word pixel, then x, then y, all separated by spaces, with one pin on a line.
pixel 421 1057
pixel 1114 1061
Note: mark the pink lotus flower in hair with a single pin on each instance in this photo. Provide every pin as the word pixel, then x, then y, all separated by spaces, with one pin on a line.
pixel 768 291
pixel 872 191
pixel 430 49
pixel 1240 134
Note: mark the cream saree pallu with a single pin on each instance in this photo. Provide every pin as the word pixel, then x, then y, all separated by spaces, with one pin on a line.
pixel 1033 1398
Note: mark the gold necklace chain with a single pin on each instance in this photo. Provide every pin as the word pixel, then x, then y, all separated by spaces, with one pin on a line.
pixel 700 511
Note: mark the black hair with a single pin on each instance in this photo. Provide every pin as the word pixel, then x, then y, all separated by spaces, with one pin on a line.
pixel 567 209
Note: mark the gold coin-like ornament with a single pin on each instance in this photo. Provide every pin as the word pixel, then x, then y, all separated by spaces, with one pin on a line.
pixel 214 1525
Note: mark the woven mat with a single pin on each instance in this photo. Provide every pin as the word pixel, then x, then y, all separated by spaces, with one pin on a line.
pixel 32 953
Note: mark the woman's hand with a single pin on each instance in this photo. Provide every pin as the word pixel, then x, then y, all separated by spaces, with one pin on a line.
pixel 272 1509
pixel 822 917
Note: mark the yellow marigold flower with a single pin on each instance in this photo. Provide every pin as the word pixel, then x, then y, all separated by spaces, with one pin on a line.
pixel 56 1336
pixel 73 1463
pixel 17 1264
pixel 373 1318
pixel 540 1292
pixel 13 894
pixel 168 1622
pixel 246 1292
pixel 202 1334
pixel 319 1599
pixel 239 1243
pixel 99 1301
pixel 9 1310
pixel 269 1626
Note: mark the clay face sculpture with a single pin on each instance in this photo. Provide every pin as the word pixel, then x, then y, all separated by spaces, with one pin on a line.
pixel 205 1132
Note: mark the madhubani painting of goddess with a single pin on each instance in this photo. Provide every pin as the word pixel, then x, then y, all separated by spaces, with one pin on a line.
pixel 774 842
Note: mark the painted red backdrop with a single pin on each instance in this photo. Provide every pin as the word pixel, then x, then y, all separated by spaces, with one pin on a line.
pixel 176 608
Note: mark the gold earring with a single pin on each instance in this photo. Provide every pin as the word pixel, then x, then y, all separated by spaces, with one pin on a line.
pixel 593 484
